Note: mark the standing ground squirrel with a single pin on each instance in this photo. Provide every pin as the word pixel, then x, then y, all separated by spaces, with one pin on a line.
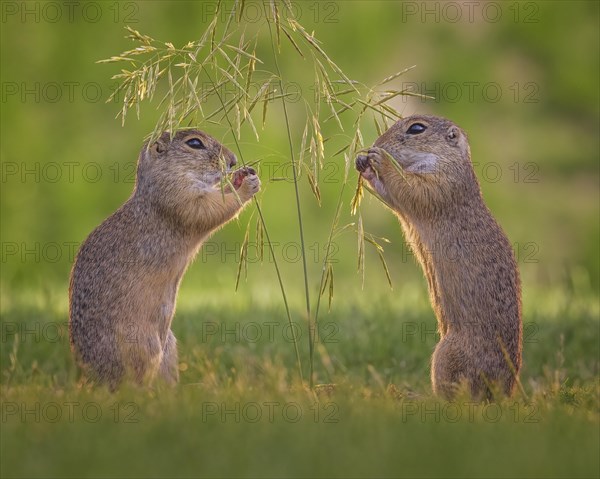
pixel 467 259
pixel 127 272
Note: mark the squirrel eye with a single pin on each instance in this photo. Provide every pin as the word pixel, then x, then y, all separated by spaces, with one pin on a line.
pixel 416 128
pixel 195 143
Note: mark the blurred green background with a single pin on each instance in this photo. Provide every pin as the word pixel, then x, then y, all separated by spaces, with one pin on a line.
pixel 522 78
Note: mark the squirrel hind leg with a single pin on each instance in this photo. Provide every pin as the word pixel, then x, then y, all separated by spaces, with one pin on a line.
pixel 169 365
pixel 447 367
pixel 456 373
pixel 142 359
pixel 99 364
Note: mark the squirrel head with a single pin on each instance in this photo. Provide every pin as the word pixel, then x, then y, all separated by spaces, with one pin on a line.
pixel 186 163
pixel 435 158
pixel 426 145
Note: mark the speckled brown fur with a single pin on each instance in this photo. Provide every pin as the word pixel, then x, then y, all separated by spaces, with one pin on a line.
pixel 126 275
pixel 467 259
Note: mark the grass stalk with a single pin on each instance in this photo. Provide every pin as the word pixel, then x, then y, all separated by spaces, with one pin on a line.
pixel 298 206
pixel 267 236
pixel 324 276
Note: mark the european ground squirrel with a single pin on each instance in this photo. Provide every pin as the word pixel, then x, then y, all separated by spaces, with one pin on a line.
pixel 126 274
pixel 469 264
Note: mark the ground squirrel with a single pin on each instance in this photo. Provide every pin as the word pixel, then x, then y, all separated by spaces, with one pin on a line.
pixel 467 259
pixel 127 272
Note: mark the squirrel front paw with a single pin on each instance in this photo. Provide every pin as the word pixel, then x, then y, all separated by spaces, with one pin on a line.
pixel 238 176
pixel 370 165
pixel 372 168
pixel 363 165
pixel 246 182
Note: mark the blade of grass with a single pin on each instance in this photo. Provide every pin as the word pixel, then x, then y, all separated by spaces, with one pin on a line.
pixel 243 258
pixel 361 249
pixel 379 250
pixel 296 189
pixel 260 240
pixel 271 249
pixel 395 75
pixel 292 41
pixel 314 185
pixel 358 196
pixel 326 271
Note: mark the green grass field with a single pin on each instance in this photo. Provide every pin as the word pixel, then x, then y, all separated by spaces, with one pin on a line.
pixel 240 409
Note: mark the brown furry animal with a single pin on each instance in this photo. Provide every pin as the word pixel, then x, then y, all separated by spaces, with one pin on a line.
pixel 127 272
pixel 467 259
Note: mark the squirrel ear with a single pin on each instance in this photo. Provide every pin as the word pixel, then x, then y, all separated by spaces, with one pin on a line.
pixel 456 137
pixel 453 135
pixel 158 146
pixel 161 143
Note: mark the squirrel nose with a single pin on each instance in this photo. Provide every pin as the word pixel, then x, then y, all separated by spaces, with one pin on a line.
pixel 232 160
